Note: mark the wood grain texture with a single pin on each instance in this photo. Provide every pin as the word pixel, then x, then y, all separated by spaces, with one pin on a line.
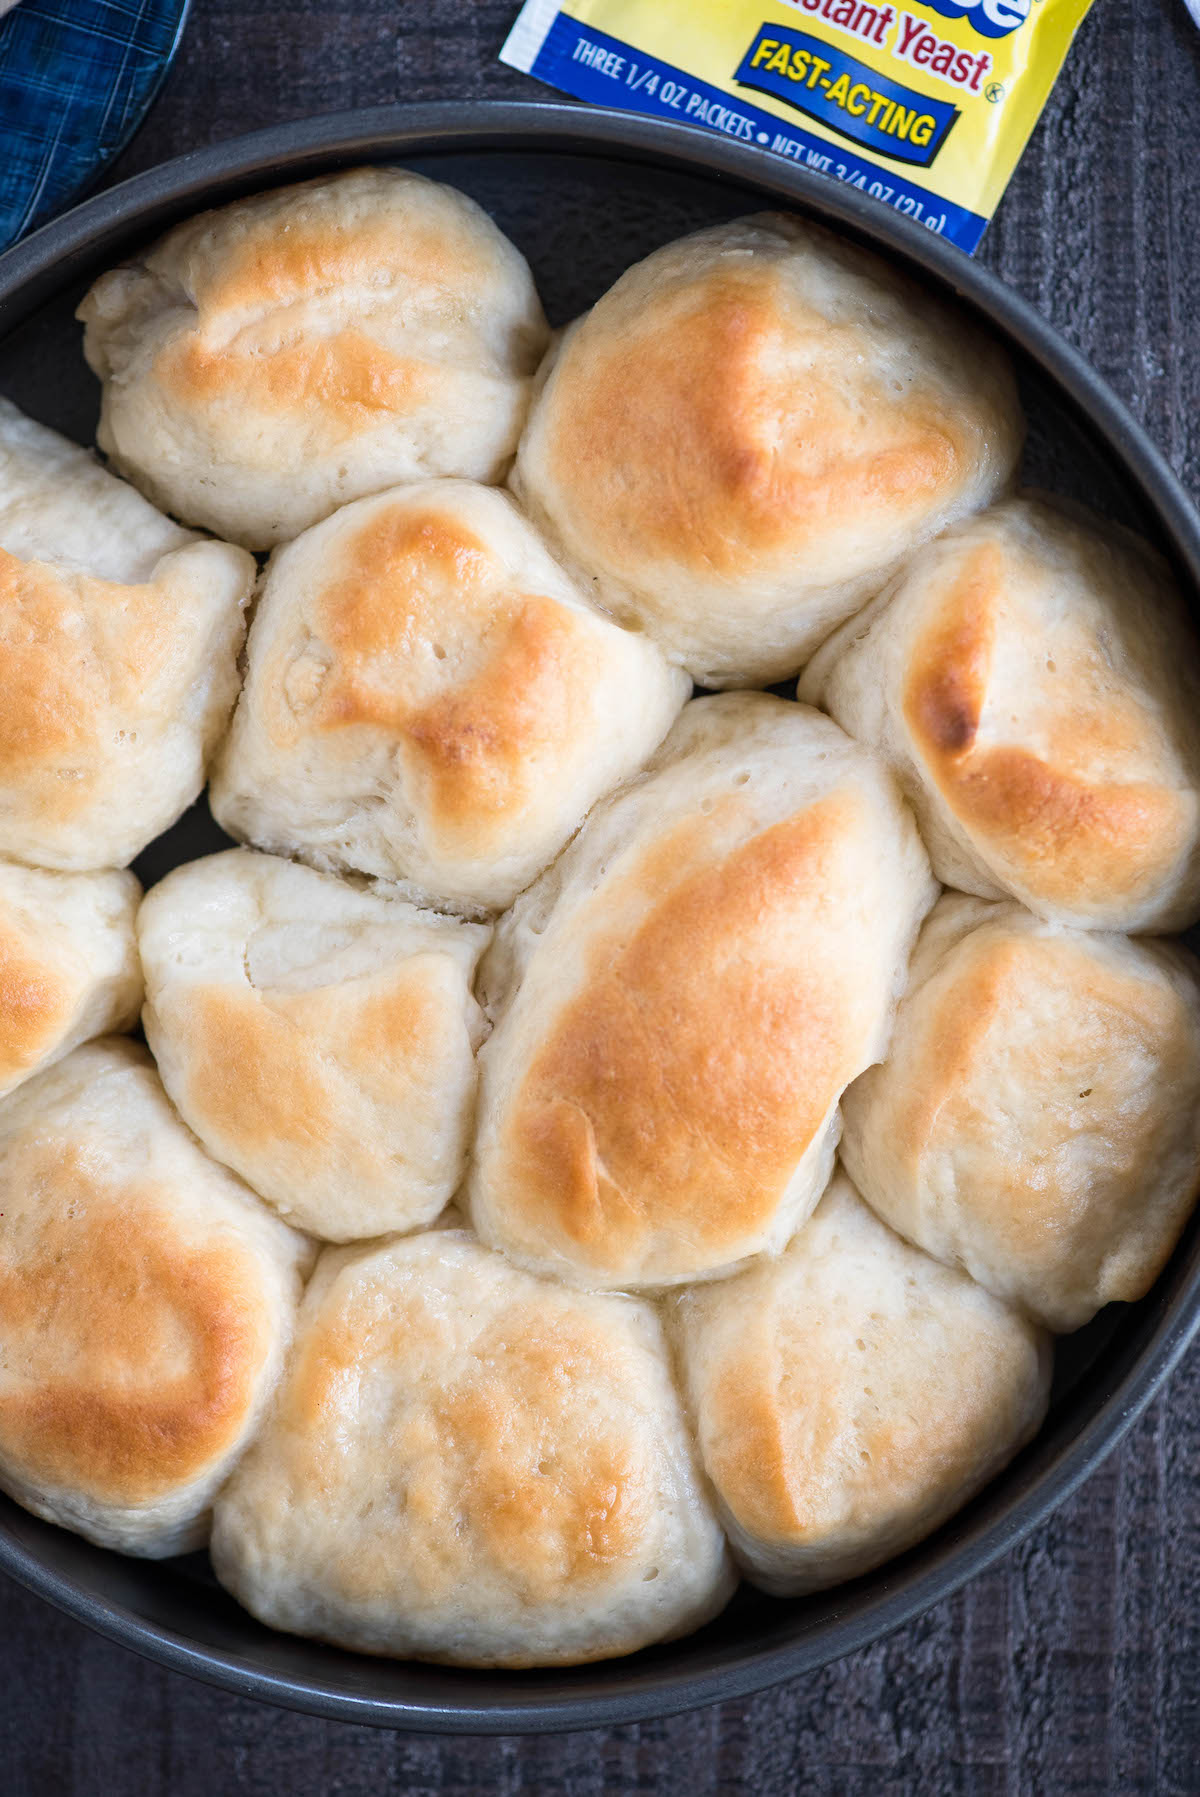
pixel 1075 1666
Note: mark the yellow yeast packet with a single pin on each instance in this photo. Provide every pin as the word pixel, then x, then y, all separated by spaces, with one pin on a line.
pixel 926 105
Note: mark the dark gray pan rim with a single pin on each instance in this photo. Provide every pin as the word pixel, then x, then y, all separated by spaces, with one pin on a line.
pixel 1126 1375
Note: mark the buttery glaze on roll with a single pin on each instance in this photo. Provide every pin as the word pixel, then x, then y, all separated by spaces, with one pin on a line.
pixel 319 1039
pixel 69 965
pixel 682 999
pixel 266 363
pixel 1035 681
pixel 739 444
pixel 119 638
pixel 146 1302
pixel 472 1465
pixel 429 699
pixel 1037 1120
pixel 851 1396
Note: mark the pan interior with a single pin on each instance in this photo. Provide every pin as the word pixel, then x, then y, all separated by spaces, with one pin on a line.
pixel 580 219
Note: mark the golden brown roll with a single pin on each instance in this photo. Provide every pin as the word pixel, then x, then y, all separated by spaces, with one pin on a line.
pixel 1037 1120
pixel 851 1396
pixel 682 999
pixel 119 637
pixel 469 1464
pixel 146 1301
pixel 266 363
pixel 1034 680
pixel 319 1039
pixel 69 965
pixel 429 699
pixel 743 439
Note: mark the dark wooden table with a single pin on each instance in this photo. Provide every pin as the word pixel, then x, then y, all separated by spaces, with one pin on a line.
pixel 1074 1666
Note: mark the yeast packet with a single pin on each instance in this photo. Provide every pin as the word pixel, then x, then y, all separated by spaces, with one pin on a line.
pixel 926 105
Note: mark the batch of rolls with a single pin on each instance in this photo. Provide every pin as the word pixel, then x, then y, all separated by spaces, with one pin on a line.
pixel 469 1257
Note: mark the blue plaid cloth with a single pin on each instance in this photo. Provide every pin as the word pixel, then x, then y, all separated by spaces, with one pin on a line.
pixel 76 79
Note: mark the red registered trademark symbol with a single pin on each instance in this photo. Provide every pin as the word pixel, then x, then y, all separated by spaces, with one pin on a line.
pixel 994 91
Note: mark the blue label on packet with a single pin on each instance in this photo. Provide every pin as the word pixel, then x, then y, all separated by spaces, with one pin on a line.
pixel 847 96
pixel 594 66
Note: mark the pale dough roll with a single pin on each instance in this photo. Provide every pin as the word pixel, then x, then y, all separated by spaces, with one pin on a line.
pixel 146 1301
pixel 682 999
pixel 59 504
pixel 319 1039
pixel 469 1464
pixel 851 1396
pixel 1037 1120
pixel 119 638
pixel 265 363
pixel 743 439
pixel 69 965
pixel 1035 681
pixel 429 699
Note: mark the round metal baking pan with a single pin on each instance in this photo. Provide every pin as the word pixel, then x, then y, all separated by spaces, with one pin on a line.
pixel 585 193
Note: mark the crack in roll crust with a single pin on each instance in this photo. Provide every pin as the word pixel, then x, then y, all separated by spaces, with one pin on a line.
pixel 1025 677
pixel 469 1464
pixel 747 434
pixel 711 962
pixel 319 1039
pixel 851 1396
pixel 1038 1117
pixel 429 699
pixel 271 361
pixel 145 1301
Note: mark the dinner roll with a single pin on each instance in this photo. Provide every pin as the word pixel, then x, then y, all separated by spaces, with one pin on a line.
pixel 469 1464
pixel 682 999
pixel 1037 1120
pixel 851 1396
pixel 429 699
pixel 267 362
pixel 68 964
pixel 146 1299
pixel 119 637
pixel 742 440
pixel 319 1040
pixel 1034 680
